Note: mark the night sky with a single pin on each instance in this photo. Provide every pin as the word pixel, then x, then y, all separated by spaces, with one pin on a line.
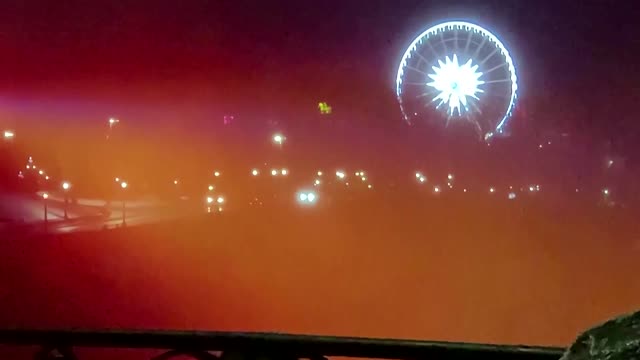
pixel 576 60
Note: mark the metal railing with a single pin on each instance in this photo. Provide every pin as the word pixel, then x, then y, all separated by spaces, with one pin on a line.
pixel 59 344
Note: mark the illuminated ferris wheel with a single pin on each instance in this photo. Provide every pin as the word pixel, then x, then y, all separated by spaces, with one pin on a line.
pixel 458 71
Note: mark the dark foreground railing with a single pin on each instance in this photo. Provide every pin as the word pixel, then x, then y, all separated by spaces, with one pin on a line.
pixel 264 346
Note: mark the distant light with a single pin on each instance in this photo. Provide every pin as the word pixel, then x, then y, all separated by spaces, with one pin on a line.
pixel 610 163
pixel 577 190
pixel 422 179
pixel 363 178
pixel 8 134
pixel 449 185
pixel 464 190
pixel 418 175
pixel 274 172
pixel 210 187
pixel 307 197
pixel 540 146
pixel 369 186
pixel 124 184
pixel 549 142
pixel 66 185
pixel 340 174
pixel 30 160
pixel 41 172
pixel 537 187
pixel 220 200
pixel 28 166
pixel 436 189
pixel 46 177
pixel 45 196
pixel 113 121
pixel 254 172
pixel 209 200
pixel 606 192
pixel 216 174
pixel 450 176
pixel 117 179
pixel 357 173
pixel 319 173
pixel 175 182
pixel 317 182
pixel 278 139
pixel 531 188
pixel 284 172
pixel 492 190
pixel 512 195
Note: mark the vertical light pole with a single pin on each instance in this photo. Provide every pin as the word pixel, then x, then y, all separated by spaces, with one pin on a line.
pixel 65 188
pixel 45 196
pixel 124 185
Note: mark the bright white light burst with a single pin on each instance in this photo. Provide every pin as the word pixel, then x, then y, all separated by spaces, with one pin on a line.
pixel 455 83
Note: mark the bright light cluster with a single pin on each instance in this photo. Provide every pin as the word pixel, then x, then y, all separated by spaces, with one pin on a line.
pixel 455 83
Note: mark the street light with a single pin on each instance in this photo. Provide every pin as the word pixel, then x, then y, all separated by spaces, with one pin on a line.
pixel 45 196
pixel 278 139
pixel 124 185
pixel 9 134
pixel 65 187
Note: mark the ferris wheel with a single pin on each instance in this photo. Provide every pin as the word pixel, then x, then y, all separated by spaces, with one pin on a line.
pixel 458 71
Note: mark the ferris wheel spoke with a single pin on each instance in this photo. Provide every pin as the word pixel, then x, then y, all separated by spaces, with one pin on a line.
pixel 444 43
pixel 489 56
pixel 498 81
pixel 455 40
pixel 437 56
pixel 484 40
pixel 468 42
pixel 414 83
pixel 494 68
pixel 416 70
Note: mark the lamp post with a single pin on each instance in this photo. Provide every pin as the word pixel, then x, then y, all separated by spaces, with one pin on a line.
pixel 65 187
pixel 45 196
pixel 124 185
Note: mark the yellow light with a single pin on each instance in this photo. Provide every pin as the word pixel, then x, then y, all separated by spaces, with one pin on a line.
pixel 209 200
pixel 319 173
pixel 46 177
pixel 216 174
pixel 8 134
pixel 274 172
pixel 284 172
pixel 117 179
pixel 40 172
pixel 254 172
pixel 66 185
pixel 210 187
pixel 45 196
pixel 175 182
pixel 124 184
pixel 220 200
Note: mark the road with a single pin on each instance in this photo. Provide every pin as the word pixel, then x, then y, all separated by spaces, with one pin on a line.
pixel 28 211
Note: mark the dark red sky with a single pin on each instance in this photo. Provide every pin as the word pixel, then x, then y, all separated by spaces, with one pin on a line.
pixel 577 56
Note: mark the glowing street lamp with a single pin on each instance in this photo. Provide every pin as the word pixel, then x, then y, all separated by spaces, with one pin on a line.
pixel 210 187
pixel 278 139
pixel 45 196
pixel 216 173
pixel 274 172
pixel 284 172
pixel 124 186
pixel 65 187
pixel 254 172
pixel 113 122
pixel 340 175
pixel 9 134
